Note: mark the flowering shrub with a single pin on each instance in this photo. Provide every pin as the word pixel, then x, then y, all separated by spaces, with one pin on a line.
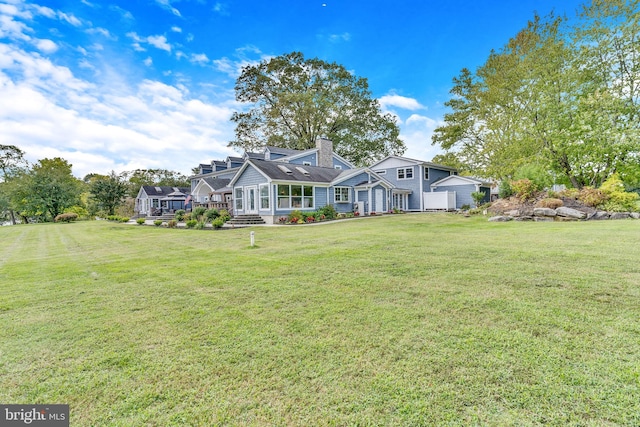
pixel 356 213
pixel 310 219
pixel 524 189
pixel 282 220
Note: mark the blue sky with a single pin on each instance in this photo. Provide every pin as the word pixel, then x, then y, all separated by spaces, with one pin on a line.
pixel 119 85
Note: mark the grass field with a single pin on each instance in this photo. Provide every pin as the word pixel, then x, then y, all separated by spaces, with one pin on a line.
pixel 397 320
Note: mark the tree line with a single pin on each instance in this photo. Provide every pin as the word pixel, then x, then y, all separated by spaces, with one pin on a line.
pixel 46 189
pixel 559 102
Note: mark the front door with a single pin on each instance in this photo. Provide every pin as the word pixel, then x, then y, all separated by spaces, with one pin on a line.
pixel 379 200
pixel 252 200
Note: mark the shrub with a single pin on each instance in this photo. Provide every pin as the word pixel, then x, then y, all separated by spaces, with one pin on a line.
pixel 478 197
pixel 191 223
pixel 465 207
pixel 198 212
pixel 172 223
pixel 187 217
pixel 504 190
pixel 328 211
pixel 618 199
pixel 211 214
pixel 282 219
pixel 570 193
pixel 180 214
pixel 78 210
pixel 592 196
pixel 157 222
pixel 294 216
pixel 123 219
pixel 524 189
pixel 66 217
pixel 550 202
pixel 538 176
pixel 217 223
pixel 140 221
pixel 200 225
pixel 224 215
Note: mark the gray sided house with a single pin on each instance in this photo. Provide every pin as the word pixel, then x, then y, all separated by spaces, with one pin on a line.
pixel 274 189
pixel 411 180
pixel 462 187
pixel 156 200
pixel 212 192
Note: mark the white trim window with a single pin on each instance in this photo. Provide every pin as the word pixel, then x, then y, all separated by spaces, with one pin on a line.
pixel 405 173
pixel 342 195
pixel 264 196
pixel 337 167
pixel 238 196
pixel 426 173
pixel 295 196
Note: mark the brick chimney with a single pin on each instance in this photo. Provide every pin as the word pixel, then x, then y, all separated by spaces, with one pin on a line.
pixel 325 152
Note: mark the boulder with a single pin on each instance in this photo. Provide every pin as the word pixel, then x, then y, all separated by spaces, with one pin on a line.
pixel 635 215
pixel 600 215
pixel 523 218
pixel 544 212
pixel 566 212
pixel 619 215
pixel 500 218
pixel 514 212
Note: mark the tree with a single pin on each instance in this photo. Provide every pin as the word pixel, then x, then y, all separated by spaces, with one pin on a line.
pixel 12 161
pixel 562 98
pixel 107 191
pixel 296 100
pixel 46 190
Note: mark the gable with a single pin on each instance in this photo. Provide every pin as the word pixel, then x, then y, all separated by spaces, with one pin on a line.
pixel 453 180
pixel 394 162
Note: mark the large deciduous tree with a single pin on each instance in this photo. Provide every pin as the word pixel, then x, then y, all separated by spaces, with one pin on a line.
pixel 296 100
pixel 107 192
pixel 12 162
pixel 47 189
pixel 563 98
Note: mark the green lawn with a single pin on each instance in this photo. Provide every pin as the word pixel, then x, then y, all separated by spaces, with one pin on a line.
pixel 396 320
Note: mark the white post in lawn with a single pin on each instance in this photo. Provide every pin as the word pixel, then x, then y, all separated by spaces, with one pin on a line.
pixel 253 238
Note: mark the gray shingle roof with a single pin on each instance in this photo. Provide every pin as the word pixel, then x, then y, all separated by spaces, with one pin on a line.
pixel 315 174
pixel 152 190
pixel 217 183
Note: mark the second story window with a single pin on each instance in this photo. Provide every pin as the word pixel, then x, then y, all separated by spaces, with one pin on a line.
pixel 405 173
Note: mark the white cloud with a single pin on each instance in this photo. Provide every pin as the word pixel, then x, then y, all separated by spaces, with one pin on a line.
pixel 47 111
pixel 416 133
pixel 46 46
pixel 159 42
pixel 166 4
pixel 199 58
pixel 401 102
pixel 335 38
pixel 102 31
pixel 176 29
pixel 69 18
pixel 148 62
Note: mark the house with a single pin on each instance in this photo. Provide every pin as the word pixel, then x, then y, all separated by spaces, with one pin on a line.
pixel 212 192
pixel 462 187
pixel 156 200
pixel 411 180
pixel 288 180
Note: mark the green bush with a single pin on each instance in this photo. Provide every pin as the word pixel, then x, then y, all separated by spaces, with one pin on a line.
pixel 570 193
pixel 200 225
pixel 224 215
pixel 123 219
pixel 198 212
pixel 478 197
pixel 524 189
pixel 538 176
pixel 465 207
pixel 140 221
pixel 157 222
pixel 66 217
pixel 187 217
pixel 218 222
pixel 78 210
pixel 180 214
pixel 328 211
pixel 618 199
pixel 191 223
pixel 212 214
pixel 504 190
pixel 172 223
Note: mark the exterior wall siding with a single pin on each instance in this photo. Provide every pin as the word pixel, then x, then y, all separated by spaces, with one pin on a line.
pixel 310 158
pixel 338 162
pixel 391 175
pixel 463 193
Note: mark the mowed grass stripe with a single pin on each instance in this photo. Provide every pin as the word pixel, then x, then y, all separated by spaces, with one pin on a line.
pixel 399 320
